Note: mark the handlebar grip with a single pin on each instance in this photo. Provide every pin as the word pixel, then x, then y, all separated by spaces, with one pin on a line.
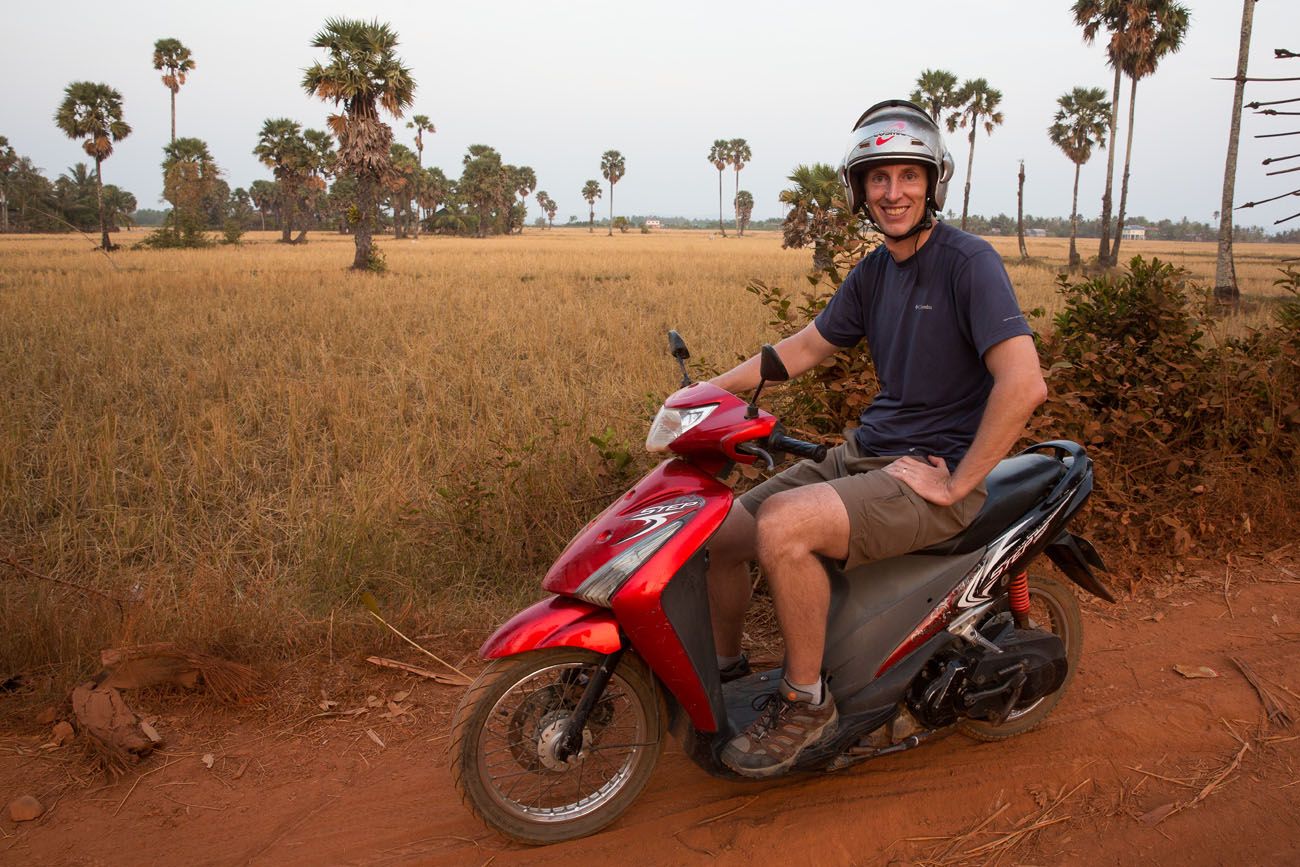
pixel 790 445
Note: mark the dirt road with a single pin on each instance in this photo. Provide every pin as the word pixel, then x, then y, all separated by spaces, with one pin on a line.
pixel 1139 764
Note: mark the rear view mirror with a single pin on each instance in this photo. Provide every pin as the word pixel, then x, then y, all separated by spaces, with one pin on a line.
pixel 771 368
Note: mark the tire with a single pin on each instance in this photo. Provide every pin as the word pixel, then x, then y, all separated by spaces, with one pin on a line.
pixel 1052 607
pixel 499 734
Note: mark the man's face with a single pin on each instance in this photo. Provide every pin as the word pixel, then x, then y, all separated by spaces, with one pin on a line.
pixel 895 195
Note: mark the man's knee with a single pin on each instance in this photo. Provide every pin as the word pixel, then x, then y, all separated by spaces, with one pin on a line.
pixel 735 539
pixel 802 521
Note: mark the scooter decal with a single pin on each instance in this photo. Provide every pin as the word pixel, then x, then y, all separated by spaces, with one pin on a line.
pixel 656 516
pixel 994 565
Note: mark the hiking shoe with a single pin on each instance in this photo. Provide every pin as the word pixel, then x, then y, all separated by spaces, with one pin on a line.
pixel 771 743
pixel 735 671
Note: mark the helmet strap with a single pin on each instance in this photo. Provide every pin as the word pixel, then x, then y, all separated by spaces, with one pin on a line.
pixel 924 223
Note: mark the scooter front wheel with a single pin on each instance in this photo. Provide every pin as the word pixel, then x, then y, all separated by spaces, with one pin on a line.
pixel 503 744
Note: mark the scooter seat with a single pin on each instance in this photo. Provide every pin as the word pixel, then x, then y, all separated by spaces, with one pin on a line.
pixel 1014 486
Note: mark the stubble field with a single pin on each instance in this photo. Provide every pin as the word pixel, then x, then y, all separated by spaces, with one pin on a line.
pixel 227 447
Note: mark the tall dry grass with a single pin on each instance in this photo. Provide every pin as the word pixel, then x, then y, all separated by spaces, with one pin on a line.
pixel 225 447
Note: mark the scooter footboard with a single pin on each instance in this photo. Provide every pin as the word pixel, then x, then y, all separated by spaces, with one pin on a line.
pixel 555 622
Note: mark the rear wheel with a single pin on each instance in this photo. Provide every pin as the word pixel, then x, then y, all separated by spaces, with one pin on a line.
pixel 1052 608
pixel 503 757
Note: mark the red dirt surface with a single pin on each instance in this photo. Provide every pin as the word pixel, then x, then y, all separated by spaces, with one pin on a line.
pixel 1131 739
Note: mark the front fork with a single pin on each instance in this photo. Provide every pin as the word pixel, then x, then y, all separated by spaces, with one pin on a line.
pixel 571 742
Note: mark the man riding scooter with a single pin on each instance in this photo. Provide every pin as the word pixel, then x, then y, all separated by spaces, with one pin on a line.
pixel 959 378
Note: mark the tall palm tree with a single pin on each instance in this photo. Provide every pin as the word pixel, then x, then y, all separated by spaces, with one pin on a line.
pixel 1225 269
pixel 977 104
pixel 718 156
pixel 936 92
pixel 738 154
pixel 263 195
pixel 8 159
pixel 282 148
pixel 1154 31
pixel 93 111
pixel 525 181
pixel 1079 126
pixel 362 75
pixel 591 192
pixel 421 124
pixel 174 61
pixel 1113 16
pixel 612 167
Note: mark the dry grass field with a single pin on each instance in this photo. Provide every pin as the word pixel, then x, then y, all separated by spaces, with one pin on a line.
pixel 226 447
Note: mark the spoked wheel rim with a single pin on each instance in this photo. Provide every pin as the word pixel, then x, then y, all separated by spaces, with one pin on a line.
pixel 517 760
pixel 1046 613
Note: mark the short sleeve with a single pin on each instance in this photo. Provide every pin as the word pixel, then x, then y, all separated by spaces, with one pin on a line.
pixel 987 303
pixel 843 320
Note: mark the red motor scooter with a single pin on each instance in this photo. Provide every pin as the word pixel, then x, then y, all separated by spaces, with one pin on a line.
pixel 560 733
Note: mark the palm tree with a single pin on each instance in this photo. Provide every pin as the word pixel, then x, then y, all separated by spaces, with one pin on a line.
pixel 8 159
pixel 262 194
pixel 282 148
pixel 525 181
pixel 591 192
pixel 718 156
pixel 548 206
pixel 119 205
pixel 744 208
pixel 93 111
pixel 433 190
pixel 1225 269
pixel 189 180
pixel 421 124
pixel 812 200
pixel 172 59
pixel 976 103
pixel 1079 126
pixel 612 168
pixel 362 75
pixel 936 92
pixel 738 154
pixel 1113 15
pixel 1155 32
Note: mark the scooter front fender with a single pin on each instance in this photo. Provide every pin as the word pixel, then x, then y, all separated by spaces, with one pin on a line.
pixel 555 622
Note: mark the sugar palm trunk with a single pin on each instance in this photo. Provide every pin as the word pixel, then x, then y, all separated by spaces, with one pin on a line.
pixel 173 92
pixel 363 236
pixel 1103 249
pixel 721 227
pixel 611 209
pixel 286 215
pixel 1123 185
pixel 735 202
pixel 99 195
pixel 970 164
pixel 1225 271
pixel 591 220
pixel 1074 220
pixel 1020 211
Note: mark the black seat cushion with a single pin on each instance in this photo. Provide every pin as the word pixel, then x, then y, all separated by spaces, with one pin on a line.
pixel 1015 485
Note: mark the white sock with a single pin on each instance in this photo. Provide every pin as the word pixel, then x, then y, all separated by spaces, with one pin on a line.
pixel 815 691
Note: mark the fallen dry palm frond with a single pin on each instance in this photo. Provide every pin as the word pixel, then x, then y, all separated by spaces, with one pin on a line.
pixel 384 662
pixel 1274 706
pixel 164 663
pixel 1164 811
pixel 953 852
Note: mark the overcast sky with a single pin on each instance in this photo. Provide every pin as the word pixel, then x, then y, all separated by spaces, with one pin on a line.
pixel 553 85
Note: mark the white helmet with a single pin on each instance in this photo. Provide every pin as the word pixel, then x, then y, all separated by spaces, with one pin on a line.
pixel 891 131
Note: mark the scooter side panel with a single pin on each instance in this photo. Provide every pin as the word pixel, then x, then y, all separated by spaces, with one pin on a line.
pixel 555 622
pixel 876 606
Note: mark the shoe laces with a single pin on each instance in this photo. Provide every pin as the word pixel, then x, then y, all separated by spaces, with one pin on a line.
pixel 771 707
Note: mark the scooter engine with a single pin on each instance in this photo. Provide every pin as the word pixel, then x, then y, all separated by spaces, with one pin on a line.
pixel 978 683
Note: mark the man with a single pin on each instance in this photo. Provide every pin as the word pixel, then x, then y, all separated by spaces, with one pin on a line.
pixel 959 378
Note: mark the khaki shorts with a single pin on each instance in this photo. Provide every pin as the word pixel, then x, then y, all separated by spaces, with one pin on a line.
pixel 886 517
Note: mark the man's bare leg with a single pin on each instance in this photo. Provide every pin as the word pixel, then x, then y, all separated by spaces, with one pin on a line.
pixel 730 553
pixel 793 527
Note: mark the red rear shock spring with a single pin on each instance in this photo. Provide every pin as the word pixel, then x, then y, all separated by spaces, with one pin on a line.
pixel 1019 591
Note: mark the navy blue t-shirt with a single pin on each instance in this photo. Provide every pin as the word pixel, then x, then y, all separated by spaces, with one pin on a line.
pixel 928 322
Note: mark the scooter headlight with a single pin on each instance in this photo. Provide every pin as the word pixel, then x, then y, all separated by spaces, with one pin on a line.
pixel 669 424
pixel 601 585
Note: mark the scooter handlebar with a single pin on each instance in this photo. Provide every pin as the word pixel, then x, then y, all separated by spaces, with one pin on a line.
pixel 800 448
